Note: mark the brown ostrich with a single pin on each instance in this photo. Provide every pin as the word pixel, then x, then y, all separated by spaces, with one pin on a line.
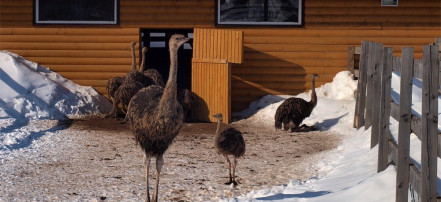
pixel 115 82
pixel 293 111
pixel 131 83
pixel 156 116
pixel 229 142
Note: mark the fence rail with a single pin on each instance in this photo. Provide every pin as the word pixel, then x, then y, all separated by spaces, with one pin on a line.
pixel 375 106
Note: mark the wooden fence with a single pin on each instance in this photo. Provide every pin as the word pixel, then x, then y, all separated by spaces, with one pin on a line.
pixel 375 106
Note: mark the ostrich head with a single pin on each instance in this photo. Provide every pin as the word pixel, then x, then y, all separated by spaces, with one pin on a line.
pixel 177 40
pixel 219 117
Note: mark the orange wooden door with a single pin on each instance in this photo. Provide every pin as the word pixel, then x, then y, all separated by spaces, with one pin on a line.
pixel 213 52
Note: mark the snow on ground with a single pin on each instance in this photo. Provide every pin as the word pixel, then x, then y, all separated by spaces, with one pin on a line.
pixel 31 92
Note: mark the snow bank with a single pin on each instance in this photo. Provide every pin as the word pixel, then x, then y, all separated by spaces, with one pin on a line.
pixel 31 91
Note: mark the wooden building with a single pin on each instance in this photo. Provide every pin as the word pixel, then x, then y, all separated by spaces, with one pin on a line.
pixel 276 59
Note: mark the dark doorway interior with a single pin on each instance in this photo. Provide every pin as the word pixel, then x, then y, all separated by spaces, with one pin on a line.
pixel 158 56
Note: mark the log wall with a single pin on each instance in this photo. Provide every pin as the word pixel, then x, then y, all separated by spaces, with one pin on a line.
pixel 277 60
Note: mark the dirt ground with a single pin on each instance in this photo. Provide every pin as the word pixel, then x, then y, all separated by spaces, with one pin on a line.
pixel 104 163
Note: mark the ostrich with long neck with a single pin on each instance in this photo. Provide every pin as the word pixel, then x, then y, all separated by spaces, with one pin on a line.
pixel 294 110
pixel 156 116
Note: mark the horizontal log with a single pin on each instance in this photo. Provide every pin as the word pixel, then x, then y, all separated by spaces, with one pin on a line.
pixel 421 11
pixel 95 83
pixel 68 39
pixel 373 18
pixel 89 75
pixel 64 46
pixel 165 10
pixel 366 4
pixel 298 55
pixel 332 40
pixel 297 63
pixel 170 3
pixel 70 31
pixel 76 53
pixel 91 68
pixel 340 33
pixel 48 61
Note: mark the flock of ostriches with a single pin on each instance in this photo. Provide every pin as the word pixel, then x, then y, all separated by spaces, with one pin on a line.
pixel 156 112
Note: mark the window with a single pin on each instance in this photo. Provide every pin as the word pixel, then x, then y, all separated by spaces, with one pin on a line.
pixel 259 12
pixel 389 2
pixel 76 11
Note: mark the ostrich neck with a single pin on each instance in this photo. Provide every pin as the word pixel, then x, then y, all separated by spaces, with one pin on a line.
pixel 170 91
pixel 313 94
pixel 133 57
pixel 142 68
pixel 217 136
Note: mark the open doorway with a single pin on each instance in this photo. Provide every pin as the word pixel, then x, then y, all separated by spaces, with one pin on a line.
pixel 158 56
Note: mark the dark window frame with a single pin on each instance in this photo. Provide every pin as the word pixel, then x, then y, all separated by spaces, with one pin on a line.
pixel 37 20
pixel 298 23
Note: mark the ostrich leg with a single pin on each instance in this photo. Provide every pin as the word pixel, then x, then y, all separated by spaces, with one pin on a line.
pixel 234 171
pixel 229 170
pixel 146 168
pixel 159 163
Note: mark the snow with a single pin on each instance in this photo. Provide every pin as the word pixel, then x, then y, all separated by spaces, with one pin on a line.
pixel 31 92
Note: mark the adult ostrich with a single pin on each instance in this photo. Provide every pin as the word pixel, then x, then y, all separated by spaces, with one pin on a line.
pixel 229 142
pixel 156 116
pixel 151 73
pixel 115 82
pixel 294 110
pixel 131 83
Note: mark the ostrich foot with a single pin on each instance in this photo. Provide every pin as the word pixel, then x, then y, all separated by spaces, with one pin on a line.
pixel 231 182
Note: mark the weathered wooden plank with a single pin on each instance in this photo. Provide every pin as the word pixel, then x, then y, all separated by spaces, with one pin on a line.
pixel 415 179
pixel 418 69
pixel 404 124
pixel 385 108
pixel 351 54
pixel 370 90
pixel 376 75
pixel 429 122
pixel 360 106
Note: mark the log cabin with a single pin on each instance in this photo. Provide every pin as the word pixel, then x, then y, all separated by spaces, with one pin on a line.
pixel 241 50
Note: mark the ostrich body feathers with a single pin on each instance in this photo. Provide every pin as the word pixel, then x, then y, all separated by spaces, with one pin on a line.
pixel 230 142
pixel 154 130
pixel 292 112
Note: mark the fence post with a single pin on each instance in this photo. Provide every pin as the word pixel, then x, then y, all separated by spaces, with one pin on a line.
pixel 361 92
pixel 429 123
pixel 404 125
pixel 377 59
pixel 370 85
pixel 385 99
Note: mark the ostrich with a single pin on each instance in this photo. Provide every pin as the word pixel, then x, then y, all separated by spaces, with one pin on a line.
pixel 115 82
pixel 293 110
pixel 151 73
pixel 229 142
pixel 156 116
pixel 186 100
pixel 131 83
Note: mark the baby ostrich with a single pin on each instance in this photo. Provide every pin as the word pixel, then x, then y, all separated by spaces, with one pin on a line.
pixel 294 110
pixel 229 142
pixel 151 73
pixel 156 116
